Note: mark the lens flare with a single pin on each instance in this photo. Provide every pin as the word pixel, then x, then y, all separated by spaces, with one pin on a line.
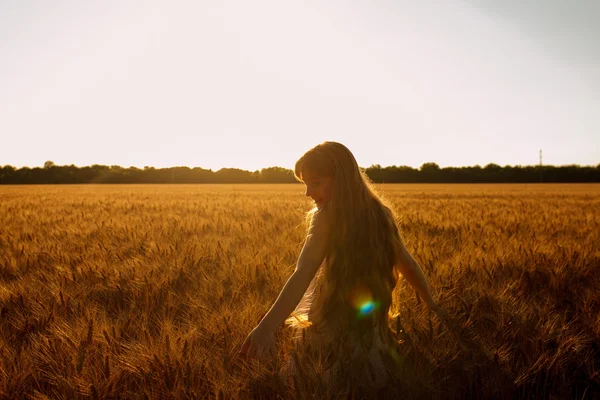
pixel 362 301
pixel 367 308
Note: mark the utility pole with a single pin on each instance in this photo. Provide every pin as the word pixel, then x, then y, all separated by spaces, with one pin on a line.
pixel 540 165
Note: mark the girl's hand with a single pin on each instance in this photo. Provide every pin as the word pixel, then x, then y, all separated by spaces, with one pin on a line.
pixel 260 343
pixel 439 311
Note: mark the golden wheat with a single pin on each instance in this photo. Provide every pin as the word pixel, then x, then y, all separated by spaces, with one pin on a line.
pixel 148 290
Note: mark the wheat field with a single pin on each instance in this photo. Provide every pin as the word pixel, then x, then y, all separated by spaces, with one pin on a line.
pixel 147 291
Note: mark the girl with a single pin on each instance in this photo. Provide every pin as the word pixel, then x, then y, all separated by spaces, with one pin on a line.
pixel 341 290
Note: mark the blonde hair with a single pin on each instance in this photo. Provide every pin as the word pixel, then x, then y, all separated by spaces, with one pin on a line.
pixel 364 242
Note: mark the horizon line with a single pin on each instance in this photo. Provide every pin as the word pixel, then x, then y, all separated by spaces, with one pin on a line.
pixel 291 169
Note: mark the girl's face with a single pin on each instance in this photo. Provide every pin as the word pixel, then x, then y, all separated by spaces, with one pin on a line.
pixel 318 188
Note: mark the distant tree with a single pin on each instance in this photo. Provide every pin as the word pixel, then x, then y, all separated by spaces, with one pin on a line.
pixel 234 175
pixel 493 173
pixel 430 167
pixel 276 175
pixel 49 164
pixel 430 172
pixel 493 167
pixel 7 174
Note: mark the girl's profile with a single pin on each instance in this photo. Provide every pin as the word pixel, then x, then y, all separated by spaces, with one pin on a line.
pixel 338 298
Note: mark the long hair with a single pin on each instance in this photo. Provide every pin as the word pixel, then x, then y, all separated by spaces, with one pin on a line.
pixel 363 245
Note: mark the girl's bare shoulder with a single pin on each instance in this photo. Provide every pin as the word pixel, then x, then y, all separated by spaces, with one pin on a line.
pixel 322 218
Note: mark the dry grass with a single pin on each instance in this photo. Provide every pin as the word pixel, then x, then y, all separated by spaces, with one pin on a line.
pixel 148 291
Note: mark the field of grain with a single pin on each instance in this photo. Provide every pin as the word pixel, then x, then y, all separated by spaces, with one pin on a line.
pixel 149 290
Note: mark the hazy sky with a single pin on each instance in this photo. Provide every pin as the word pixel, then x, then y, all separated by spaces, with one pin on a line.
pixel 252 84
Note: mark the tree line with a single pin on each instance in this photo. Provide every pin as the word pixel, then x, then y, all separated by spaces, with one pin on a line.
pixel 427 173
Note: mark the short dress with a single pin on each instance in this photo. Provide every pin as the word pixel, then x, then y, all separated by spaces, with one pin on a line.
pixel 364 363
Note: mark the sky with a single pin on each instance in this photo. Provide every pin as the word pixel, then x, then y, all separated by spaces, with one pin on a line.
pixel 254 84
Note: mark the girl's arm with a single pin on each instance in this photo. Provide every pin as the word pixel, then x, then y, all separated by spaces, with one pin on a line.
pixel 410 269
pixel 261 341
pixel 309 261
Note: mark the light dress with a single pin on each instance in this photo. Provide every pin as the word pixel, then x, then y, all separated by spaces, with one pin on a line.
pixel 361 363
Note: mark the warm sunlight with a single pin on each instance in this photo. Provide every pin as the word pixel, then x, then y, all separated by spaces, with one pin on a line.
pixel 255 84
pixel 318 199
